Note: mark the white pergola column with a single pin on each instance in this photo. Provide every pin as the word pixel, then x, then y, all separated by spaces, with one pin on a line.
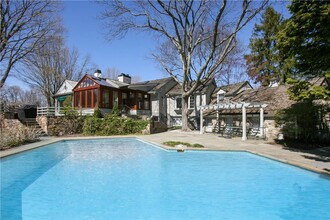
pixel 244 123
pixel 261 122
pixel 201 130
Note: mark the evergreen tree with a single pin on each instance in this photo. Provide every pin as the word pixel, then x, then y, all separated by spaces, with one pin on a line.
pixel 306 37
pixel 263 61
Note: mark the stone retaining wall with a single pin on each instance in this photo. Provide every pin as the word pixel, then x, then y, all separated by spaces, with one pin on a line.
pixel 157 127
pixel 272 131
pixel 43 122
pixel 11 124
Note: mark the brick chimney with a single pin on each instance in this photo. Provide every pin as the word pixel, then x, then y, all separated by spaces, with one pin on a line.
pixel 125 78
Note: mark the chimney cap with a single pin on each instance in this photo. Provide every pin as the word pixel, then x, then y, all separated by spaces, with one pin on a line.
pixel 126 75
pixel 97 73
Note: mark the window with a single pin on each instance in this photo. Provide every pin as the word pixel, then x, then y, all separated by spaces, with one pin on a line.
pixel 221 97
pixel 83 99
pixel 86 83
pixel 146 102
pixel 89 98
pixel 77 99
pixel 139 101
pixel 131 99
pixel 192 101
pixel 96 98
pixel 105 99
pixel 178 102
pixel 124 98
pixel 115 98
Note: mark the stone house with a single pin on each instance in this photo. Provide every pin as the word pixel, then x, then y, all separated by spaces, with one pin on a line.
pixel 269 100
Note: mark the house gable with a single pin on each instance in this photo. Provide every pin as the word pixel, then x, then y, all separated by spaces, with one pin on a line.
pixel 66 88
pixel 86 81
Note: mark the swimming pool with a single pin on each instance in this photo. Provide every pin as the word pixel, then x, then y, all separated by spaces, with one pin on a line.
pixel 126 178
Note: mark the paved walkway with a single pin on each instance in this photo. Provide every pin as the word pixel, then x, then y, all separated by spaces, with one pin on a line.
pixel 316 160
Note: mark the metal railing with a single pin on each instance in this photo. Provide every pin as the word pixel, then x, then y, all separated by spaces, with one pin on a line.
pixel 46 111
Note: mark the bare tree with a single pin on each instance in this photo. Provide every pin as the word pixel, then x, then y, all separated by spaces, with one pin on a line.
pixel 113 72
pixel 202 34
pixel 16 96
pixel 47 68
pixel 23 26
pixel 33 97
pixel 233 69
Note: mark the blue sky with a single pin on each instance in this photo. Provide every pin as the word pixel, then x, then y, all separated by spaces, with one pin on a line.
pixel 129 55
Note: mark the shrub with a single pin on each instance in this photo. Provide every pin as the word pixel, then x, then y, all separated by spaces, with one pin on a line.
pixel 197 145
pixel 92 125
pixel 174 143
pixel 132 126
pixel 68 124
pixel 69 111
pixel 303 122
pixel 112 124
pixel 14 137
pixel 97 113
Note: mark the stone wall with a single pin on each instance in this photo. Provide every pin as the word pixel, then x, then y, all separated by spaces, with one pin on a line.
pixel 42 121
pixel 272 131
pixel 59 125
pixel 11 124
pixel 157 127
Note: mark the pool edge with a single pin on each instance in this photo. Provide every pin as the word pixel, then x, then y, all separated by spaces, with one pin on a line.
pixel 42 143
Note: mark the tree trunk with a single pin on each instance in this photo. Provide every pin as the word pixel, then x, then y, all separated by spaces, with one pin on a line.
pixel 184 109
pixel 5 75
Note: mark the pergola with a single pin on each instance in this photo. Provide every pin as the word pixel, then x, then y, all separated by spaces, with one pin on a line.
pixel 235 105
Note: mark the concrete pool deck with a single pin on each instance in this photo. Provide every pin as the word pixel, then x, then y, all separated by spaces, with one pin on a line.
pixel 315 160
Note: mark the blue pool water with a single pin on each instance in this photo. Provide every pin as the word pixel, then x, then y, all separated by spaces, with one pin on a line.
pixel 129 179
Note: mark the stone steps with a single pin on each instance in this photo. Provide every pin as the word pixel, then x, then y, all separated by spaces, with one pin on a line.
pixel 32 123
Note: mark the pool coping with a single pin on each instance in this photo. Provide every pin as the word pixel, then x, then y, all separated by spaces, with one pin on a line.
pixel 31 146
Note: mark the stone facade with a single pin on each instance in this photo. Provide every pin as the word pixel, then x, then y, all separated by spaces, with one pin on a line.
pixel 59 126
pixel 42 121
pixel 272 131
pixel 12 124
pixel 157 127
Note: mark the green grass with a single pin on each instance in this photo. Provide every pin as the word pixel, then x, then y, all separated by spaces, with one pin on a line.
pixel 174 143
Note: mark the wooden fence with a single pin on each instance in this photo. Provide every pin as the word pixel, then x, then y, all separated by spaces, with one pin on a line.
pixel 46 111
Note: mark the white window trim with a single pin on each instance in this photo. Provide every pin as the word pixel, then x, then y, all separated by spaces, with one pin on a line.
pixel 176 102
pixel 189 107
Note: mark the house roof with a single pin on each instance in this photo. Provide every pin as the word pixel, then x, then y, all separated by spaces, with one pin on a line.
pixel 108 82
pixel 176 90
pixel 232 89
pixel 60 91
pixel 319 81
pixel 150 85
pixel 147 86
pixel 276 98
pixel 72 83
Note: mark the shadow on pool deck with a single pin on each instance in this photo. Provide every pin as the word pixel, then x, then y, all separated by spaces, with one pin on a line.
pixel 319 154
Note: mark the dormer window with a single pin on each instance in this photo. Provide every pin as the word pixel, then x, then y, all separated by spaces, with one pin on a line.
pixel 221 96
